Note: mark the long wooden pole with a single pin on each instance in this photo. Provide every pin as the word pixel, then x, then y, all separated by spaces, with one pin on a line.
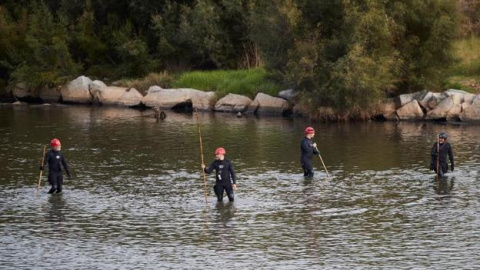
pixel 41 171
pixel 201 157
pixel 325 167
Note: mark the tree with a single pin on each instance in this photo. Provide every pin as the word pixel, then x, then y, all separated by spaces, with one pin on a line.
pixel 348 54
pixel 424 33
pixel 45 58
pixel 364 65
pixel 273 26
pixel 12 35
pixel 87 45
pixel 189 36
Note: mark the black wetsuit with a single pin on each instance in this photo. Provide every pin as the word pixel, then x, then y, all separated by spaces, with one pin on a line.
pixel 445 149
pixel 225 175
pixel 55 161
pixel 307 154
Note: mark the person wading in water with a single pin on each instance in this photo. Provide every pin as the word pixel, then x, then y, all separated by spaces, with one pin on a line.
pixel 225 175
pixel 439 153
pixel 55 160
pixel 308 149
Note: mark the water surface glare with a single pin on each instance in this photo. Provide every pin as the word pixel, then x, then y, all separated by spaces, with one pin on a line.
pixel 136 200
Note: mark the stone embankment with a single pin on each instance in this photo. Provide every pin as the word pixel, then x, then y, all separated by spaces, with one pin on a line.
pixel 85 91
pixel 451 105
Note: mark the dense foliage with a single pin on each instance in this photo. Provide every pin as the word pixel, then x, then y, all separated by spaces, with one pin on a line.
pixel 342 54
pixel 350 53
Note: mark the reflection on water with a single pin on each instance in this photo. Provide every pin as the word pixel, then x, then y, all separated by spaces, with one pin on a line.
pixel 224 213
pixel 136 199
pixel 444 185
pixel 55 210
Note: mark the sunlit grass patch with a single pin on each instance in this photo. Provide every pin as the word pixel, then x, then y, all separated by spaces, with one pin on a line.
pixel 242 82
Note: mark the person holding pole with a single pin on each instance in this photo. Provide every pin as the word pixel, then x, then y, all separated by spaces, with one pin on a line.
pixel 308 149
pixel 55 160
pixel 225 175
pixel 439 153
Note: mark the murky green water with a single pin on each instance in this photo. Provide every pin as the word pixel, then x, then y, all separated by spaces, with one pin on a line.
pixel 137 202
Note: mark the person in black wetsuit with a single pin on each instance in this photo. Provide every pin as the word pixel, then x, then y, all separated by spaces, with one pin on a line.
pixel 443 148
pixel 308 149
pixel 55 160
pixel 225 175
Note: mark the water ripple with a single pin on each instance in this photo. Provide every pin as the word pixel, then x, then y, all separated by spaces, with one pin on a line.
pixel 137 196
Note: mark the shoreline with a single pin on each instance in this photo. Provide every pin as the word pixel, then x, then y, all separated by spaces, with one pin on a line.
pixel 451 105
pixel 162 113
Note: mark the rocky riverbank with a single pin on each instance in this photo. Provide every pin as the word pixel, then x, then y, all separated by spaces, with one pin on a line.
pixel 85 91
pixel 451 105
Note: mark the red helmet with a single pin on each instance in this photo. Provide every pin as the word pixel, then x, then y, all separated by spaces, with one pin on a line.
pixel 309 130
pixel 55 142
pixel 220 151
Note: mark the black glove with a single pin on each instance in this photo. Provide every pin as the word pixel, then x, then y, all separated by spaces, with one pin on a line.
pixel 41 168
pixel 453 167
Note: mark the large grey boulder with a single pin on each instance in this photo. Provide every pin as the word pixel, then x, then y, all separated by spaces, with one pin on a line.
pixel 96 86
pixel 45 94
pixel 476 100
pixel 457 99
pixel 450 92
pixel 454 113
pixel 401 100
pixel 77 91
pixel 233 103
pixel 471 114
pixel 268 105
pixel 20 91
pixel 289 95
pixel 113 95
pixel 410 111
pixel 436 99
pixel 442 109
pixel 169 98
pixel 388 110
pixel 465 105
pixel 459 95
pixel 425 99
pixel 468 98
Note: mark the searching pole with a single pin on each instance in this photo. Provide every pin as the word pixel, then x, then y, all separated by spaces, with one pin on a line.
pixel 325 167
pixel 201 157
pixel 41 171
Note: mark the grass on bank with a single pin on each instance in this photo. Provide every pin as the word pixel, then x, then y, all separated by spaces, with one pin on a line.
pixel 162 79
pixel 465 74
pixel 242 82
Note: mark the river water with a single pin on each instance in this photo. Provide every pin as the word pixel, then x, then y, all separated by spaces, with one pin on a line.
pixel 136 200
